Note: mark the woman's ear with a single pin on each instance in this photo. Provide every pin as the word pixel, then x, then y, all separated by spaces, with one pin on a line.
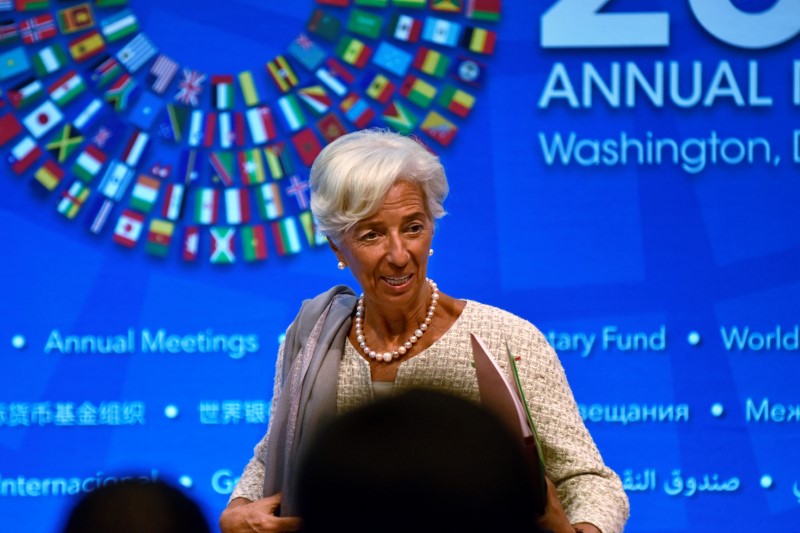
pixel 335 248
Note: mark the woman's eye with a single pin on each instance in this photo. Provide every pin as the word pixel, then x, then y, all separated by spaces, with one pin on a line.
pixel 415 228
pixel 369 236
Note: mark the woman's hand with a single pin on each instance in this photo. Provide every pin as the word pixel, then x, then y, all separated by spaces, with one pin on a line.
pixel 554 518
pixel 244 516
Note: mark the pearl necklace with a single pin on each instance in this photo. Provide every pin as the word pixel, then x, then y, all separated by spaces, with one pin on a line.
pixel 401 350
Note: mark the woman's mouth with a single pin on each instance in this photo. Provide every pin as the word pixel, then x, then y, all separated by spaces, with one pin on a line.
pixel 396 281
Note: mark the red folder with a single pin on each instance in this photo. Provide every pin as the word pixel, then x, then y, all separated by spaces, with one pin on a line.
pixel 503 395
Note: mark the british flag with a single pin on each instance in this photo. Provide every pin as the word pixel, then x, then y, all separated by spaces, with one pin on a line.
pixel 190 87
pixel 38 29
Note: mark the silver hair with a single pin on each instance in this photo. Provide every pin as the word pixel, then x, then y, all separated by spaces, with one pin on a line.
pixel 352 175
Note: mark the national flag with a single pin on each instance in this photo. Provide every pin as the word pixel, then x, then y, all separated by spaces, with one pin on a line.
pixel 129 228
pixel 353 51
pixel 222 92
pixel 9 128
pixel 299 190
pixel 209 129
pixel 237 206
pixel 206 205
pixel 64 143
pixel 279 160
pixel 196 128
pixel 162 72
pixel 307 52
pixel 431 62
pixel 24 93
pixel 36 29
pixel 146 110
pixel 173 124
pixel 223 164
pixel 226 133
pixel 49 59
pixel 261 124
pixel 121 92
pixel 248 86
pixel 287 236
pixel 455 100
pixel 42 119
pixel 400 118
pixel 356 110
pixel 441 31
pixel 439 128
pixel 269 203
pixel 467 70
pixel 335 76
pixel 159 236
pixel 110 3
pixel 189 166
pixel 134 149
pixel 365 23
pixel 378 87
pixel 24 154
pixel 73 199
pixel 291 111
pixel 49 175
pixel 282 74
pixel 144 193
pixel 89 163
pixel 89 115
pixel 324 25
pixel 405 28
pixel 32 5
pixel 173 201
pixel 13 63
pixel 99 214
pixel 76 18
pixel 307 145
pixel 115 181
pixel 67 88
pixel 191 243
pixel 189 87
pixel 8 32
pixel 106 70
pixel 109 134
pixel 87 46
pixel 251 166
pixel 136 53
pixel 392 58
pixel 315 98
pixel 413 4
pixel 371 3
pixel 479 40
pixel 313 235
pixel 330 127
pixel 417 90
pixel 222 245
pixel 488 10
pixel 119 25
pixel 446 6
pixel 254 243
pixel 237 135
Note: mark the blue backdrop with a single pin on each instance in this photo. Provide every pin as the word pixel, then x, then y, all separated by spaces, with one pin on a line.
pixel 624 175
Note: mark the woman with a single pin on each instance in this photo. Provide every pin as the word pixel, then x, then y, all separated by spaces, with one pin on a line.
pixel 376 195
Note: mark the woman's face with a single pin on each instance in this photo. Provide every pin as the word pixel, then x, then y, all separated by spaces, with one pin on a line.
pixel 388 251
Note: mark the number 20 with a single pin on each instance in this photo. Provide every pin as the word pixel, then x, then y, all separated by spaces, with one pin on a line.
pixel 578 24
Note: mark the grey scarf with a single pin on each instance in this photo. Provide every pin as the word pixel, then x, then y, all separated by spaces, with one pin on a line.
pixel 312 351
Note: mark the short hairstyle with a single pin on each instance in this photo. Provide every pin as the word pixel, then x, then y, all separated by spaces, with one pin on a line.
pixel 421 461
pixel 352 175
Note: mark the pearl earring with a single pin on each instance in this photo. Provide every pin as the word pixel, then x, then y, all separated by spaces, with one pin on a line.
pixel 340 265
pixel 430 252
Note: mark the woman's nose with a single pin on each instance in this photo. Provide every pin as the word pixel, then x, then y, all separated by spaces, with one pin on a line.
pixel 398 252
